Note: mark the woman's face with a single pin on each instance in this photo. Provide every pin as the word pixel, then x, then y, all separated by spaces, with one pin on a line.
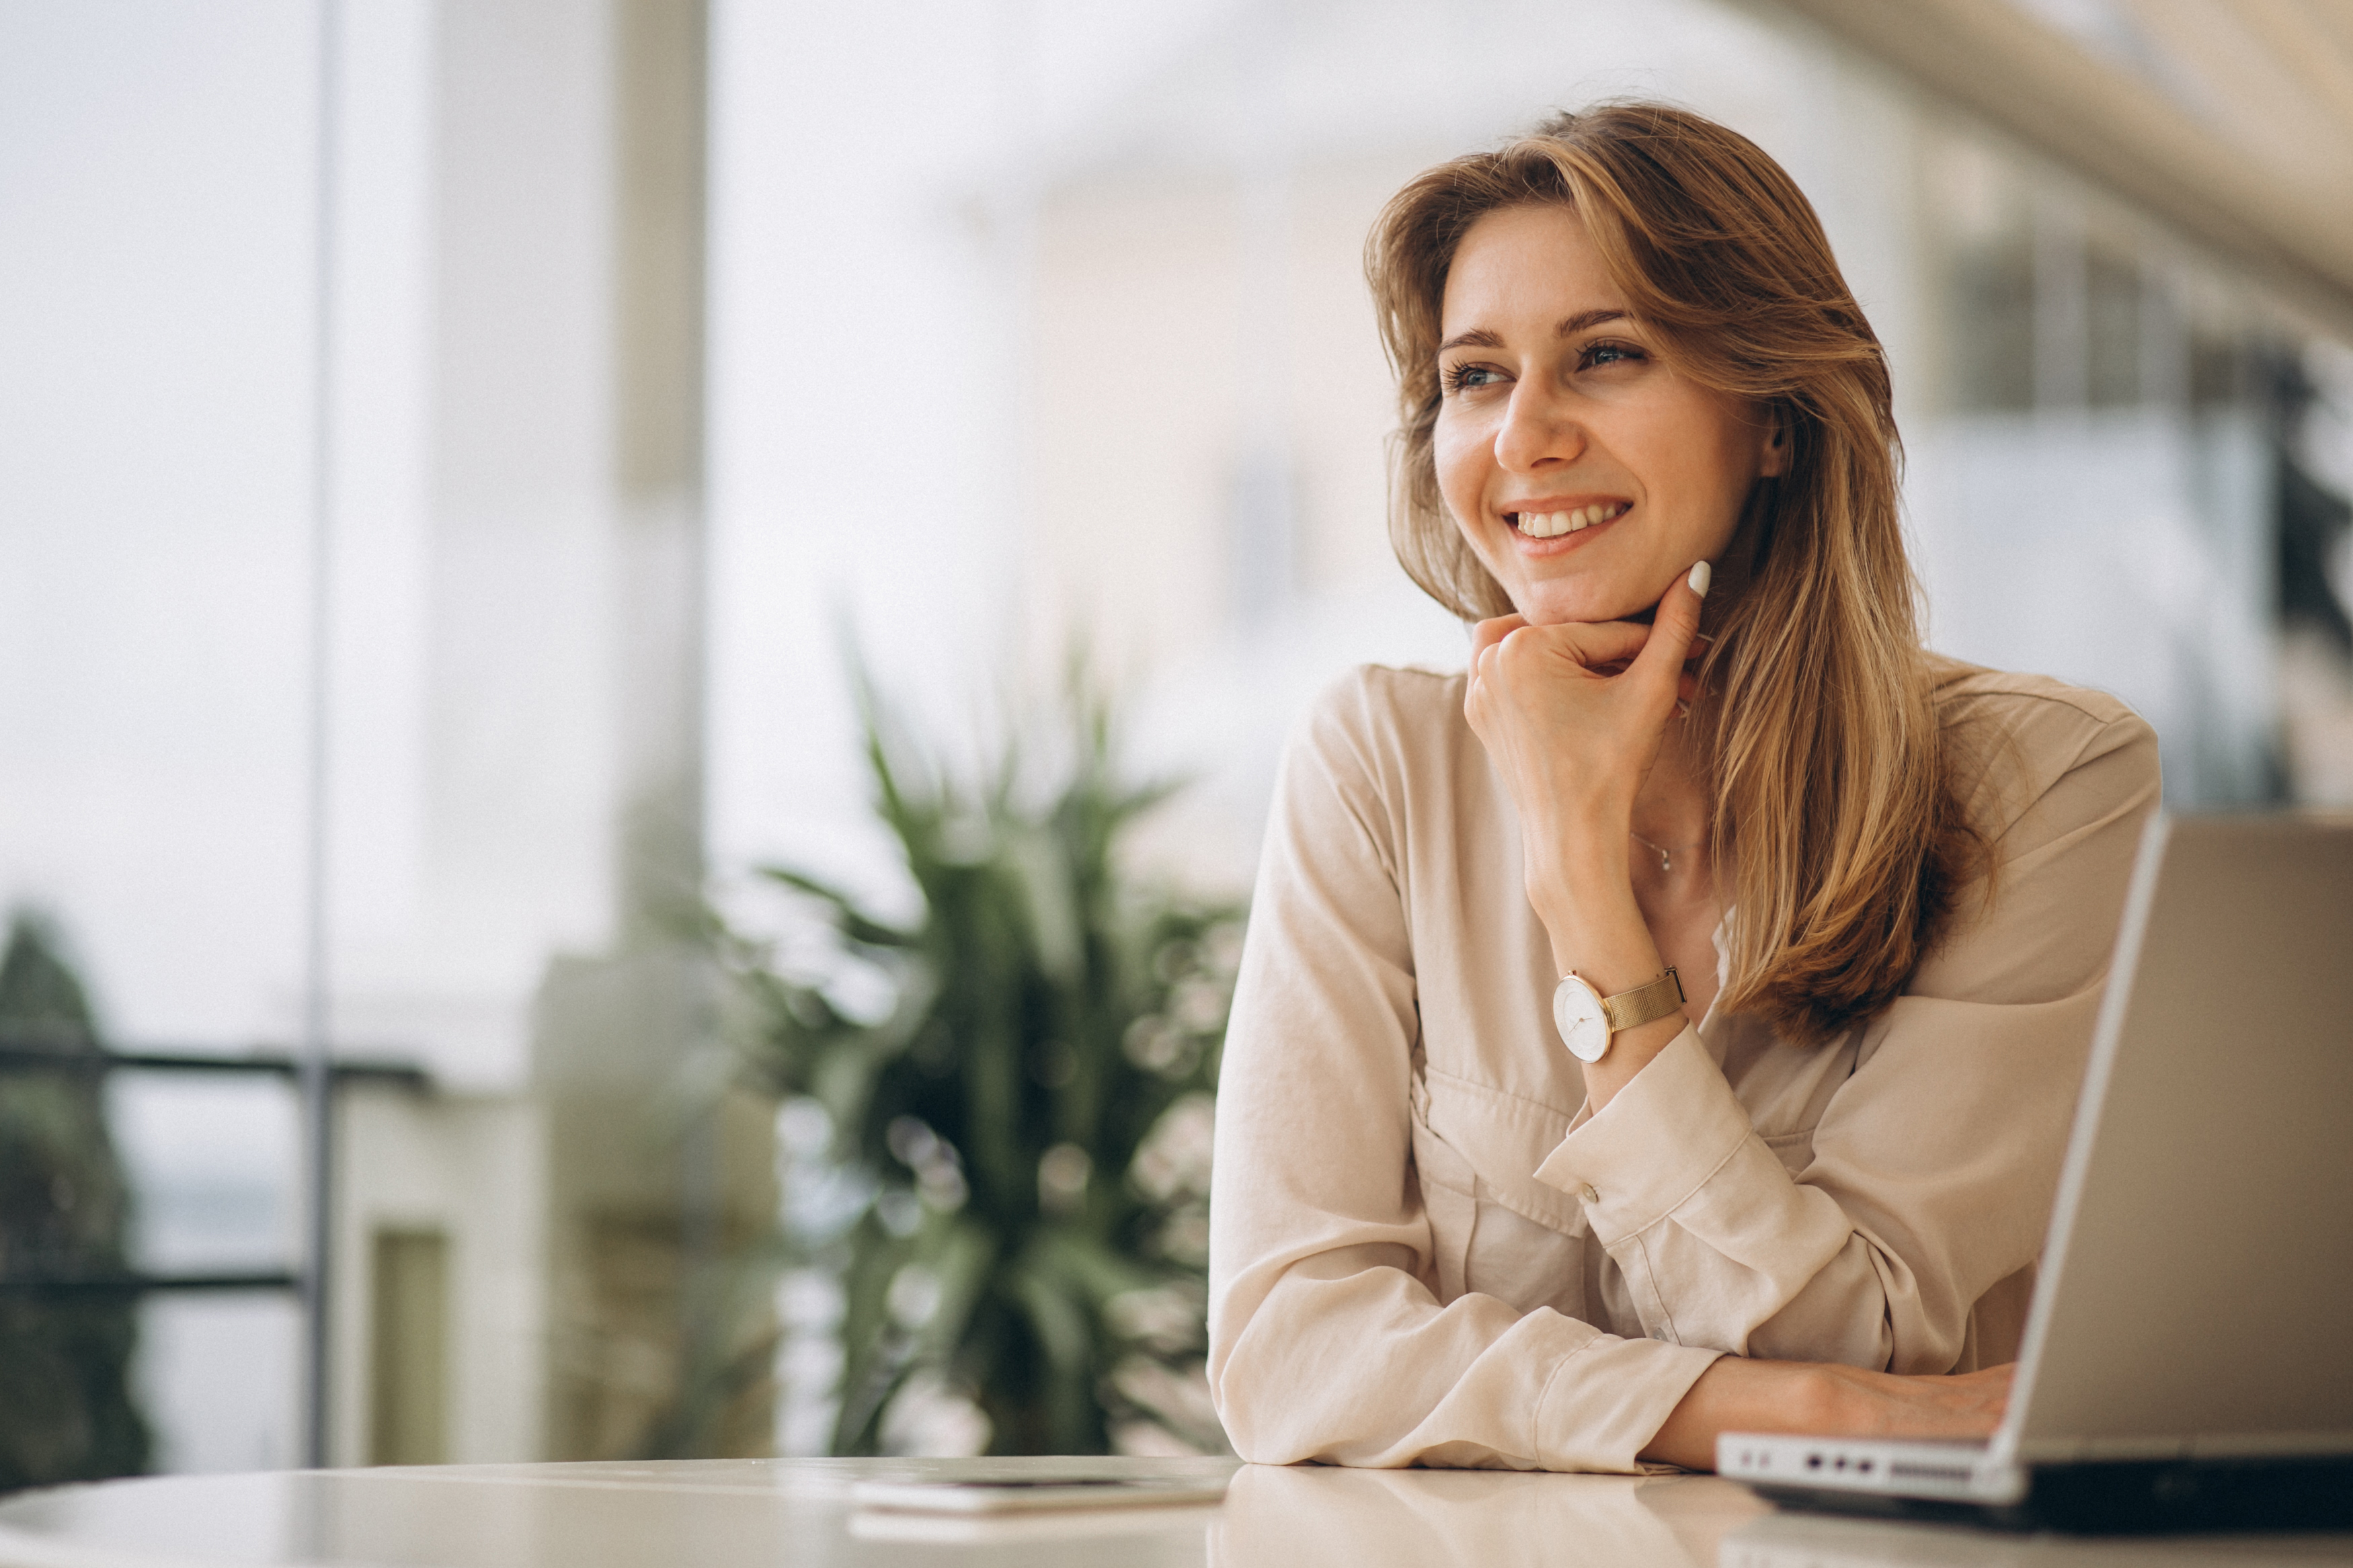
pixel 1586 474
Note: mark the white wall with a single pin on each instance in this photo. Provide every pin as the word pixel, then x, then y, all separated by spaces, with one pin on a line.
pixel 1007 300
pixel 1130 269
pixel 154 316
pixel 156 311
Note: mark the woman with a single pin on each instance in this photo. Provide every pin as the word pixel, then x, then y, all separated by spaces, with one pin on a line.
pixel 1823 917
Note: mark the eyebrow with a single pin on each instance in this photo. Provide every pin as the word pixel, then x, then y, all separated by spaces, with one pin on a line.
pixel 1566 327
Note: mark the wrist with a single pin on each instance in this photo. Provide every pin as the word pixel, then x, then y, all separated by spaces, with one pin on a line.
pixel 1589 844
pixel 1739 1394
pixel 1602 938
pixel 1572 879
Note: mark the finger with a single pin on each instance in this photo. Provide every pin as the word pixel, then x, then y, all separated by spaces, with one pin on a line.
pixel 1672 631
pixel 1488 633
pixel 1486 636
pixel 1598 645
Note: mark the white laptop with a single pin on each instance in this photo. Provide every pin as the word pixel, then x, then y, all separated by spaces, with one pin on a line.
pixel 2189 1358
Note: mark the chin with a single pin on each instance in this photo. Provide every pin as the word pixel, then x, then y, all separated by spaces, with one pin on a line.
pixel 1555 608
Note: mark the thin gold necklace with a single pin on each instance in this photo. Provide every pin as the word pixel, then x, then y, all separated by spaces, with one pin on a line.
pixel 1666 859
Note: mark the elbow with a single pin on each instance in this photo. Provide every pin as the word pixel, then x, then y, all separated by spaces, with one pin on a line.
pixel 1256 1447
pixel 1253 1438
pixel 1271 1419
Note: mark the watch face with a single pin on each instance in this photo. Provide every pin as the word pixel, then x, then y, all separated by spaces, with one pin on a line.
pixel 1577 1014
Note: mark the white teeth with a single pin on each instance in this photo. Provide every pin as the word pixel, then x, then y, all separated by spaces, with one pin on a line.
pixel 1553 524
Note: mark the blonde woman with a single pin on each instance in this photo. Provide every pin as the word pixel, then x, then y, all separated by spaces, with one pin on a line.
pixel 1671 1025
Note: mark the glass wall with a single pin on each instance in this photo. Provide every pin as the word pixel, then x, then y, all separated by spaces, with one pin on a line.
pixel 156 167
pixel 661 354
pixel 350 599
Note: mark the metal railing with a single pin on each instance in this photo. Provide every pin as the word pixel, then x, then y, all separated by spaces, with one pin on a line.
pixel 75 1053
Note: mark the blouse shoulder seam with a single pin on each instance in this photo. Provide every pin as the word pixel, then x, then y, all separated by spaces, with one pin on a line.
pixel 2101 708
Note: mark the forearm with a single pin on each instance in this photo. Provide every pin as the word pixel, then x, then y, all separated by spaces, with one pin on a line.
pixel 1583 895
pixel 1738 1394
pixel 1366 1369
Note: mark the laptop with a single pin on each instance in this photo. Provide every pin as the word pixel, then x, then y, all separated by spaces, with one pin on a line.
pixel 2187 1360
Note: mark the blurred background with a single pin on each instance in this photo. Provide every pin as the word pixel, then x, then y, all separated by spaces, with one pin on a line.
pixel 454 458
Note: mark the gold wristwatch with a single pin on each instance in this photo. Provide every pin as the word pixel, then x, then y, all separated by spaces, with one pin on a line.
pixel 1587 1019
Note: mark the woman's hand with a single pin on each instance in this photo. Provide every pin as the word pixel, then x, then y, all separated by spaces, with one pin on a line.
pixel 1808 1399
pixel 1572 717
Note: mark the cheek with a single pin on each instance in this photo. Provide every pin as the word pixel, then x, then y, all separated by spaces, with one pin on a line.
pixel 1703 463
pixel 1739 455
pixel 1458 455
pixel 1736 469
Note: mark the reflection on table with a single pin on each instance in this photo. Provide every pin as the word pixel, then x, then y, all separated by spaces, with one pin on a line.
pixel 1808 1541
pixel 1285 1516
pixel 719 1513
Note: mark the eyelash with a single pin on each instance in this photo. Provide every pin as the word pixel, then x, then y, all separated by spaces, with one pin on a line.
pixel 1453 379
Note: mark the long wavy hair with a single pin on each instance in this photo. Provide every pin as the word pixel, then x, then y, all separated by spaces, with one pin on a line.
pixel 1835 806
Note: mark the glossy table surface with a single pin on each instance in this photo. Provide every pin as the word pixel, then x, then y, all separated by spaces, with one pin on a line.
pixel 723 1512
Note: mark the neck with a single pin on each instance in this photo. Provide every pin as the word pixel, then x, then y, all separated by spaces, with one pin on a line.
pixel 1671 809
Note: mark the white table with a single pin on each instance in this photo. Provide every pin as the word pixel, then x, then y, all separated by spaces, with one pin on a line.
pixel 774 1513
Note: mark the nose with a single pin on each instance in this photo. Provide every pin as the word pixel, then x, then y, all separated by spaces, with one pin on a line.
pixel 1538 430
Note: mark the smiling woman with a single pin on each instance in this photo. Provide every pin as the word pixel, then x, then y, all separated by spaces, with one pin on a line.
pixel 1551 429
pixel 1669 1025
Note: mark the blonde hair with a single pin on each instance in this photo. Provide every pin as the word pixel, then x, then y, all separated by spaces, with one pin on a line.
pixel 1834 802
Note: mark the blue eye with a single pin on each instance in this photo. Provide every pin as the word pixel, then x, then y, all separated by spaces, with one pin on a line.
pixel 1465 377
pixel 1597 354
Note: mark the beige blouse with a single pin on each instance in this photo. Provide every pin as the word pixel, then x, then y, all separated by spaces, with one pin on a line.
pixel 1424 1249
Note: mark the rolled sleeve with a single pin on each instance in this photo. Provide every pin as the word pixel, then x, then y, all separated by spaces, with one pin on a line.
pixel 1604 1404
pixel 1657 1142
pixel 1674 1159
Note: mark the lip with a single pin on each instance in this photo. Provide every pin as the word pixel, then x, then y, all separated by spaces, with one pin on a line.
pixel 1560 503
pixel 1561 543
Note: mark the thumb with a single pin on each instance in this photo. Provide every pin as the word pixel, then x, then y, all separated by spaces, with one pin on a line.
pixel 1672 631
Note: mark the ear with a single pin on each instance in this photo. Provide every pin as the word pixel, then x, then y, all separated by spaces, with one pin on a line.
pixel 1776 443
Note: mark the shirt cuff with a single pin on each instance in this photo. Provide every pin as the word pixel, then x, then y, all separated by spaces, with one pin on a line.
pixel 1654 1144
pixel 1606 1403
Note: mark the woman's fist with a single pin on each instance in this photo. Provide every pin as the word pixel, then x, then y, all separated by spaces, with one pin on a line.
pixel 1572 715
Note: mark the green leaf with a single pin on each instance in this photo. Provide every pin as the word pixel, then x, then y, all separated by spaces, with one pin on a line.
pixel 1014 998
pixel 852 922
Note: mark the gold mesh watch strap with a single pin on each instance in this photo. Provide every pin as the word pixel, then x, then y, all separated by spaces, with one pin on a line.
pixel 1632 1009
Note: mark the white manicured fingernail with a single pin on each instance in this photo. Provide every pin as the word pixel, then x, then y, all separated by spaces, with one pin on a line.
pixel 1701 576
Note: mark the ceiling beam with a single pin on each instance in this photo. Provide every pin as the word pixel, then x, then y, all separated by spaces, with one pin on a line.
pixel 2042 89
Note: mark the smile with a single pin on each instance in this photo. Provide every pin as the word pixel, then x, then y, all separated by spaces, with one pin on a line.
pixel 1552 524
